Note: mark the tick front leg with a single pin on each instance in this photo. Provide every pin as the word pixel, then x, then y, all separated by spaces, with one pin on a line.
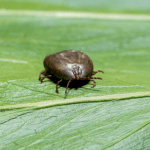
pixel 91 79
pixel 45 77
pixel 94 83
pixel 68 85
pixel 95 72
pixel 57 85
pixel 96 78
pixel 43 72
pixel 88 78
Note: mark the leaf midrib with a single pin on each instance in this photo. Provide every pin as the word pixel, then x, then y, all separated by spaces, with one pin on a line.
pixel 50 103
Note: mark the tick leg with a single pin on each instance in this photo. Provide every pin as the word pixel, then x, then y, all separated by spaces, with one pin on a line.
pixel 94 83
pixel 68 85
pixel 88 78
pixel 96 78
pixel 45 77
pixel 44 72
pixel 91 79
pixel 57 85
pixel 95 72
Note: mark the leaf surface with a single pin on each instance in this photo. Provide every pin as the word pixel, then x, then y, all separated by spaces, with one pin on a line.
pixel 104 125
pixel 113 115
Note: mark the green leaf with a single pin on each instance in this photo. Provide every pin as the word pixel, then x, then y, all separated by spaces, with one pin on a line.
pixel 105 125
pixel 113 115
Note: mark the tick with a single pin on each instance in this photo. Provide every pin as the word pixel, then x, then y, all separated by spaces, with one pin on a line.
pixel 69 65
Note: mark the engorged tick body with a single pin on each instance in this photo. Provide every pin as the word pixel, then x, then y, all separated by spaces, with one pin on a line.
pixel 69 65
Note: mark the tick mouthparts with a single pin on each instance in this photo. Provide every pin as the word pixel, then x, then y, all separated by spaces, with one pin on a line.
pixel 77 77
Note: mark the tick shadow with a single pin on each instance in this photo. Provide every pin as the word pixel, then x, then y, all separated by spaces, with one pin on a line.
pixel 74 83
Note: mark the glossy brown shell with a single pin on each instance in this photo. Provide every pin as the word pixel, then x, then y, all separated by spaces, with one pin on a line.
pixel 61 64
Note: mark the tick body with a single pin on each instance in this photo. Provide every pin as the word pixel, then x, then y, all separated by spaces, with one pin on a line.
pixel 69 65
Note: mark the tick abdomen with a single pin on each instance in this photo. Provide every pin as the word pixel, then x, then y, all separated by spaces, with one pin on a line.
pixel 61 64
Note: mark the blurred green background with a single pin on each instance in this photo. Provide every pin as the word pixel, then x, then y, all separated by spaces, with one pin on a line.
pixel 107 6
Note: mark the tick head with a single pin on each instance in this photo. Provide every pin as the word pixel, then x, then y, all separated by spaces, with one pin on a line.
pixel 77 71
